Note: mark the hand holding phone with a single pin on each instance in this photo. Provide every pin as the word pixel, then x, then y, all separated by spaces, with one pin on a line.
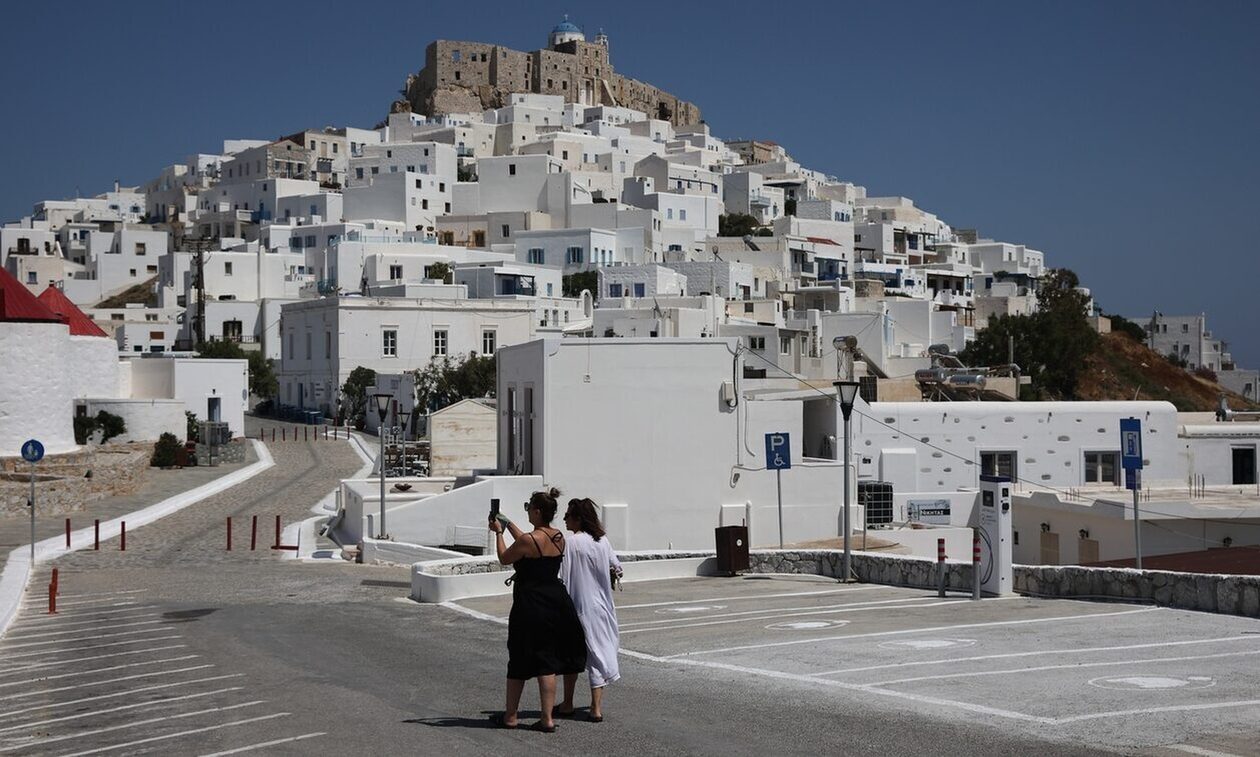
pixel 494 509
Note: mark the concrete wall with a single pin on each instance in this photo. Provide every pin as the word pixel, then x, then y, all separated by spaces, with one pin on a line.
pixel 37 387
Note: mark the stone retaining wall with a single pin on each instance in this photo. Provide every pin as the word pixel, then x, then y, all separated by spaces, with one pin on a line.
pixel 868 567
pixel 62 485
pixel 1207 592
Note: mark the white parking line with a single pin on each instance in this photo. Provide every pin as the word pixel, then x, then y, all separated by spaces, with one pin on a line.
pixel 150 721
pixel 103 683
pixel 474 613
pixel 1073 666
pixel 748 596
pixel 73 660
pixel 1189 749
pixel 44 631
pixel 104 593
pixel 44 652
pixel 81 638
pixel 96 670
pixel 911 630
pixel 851 607
pixel 1154 710
pixel 42 634
pixel 120 708
pixel 179 735
pixel 43 621
pixel 127 693
pixel 1009 655
pixel 101 600
pixel 266 744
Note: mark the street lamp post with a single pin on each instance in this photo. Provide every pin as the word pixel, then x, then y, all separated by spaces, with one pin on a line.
pixel 847 392
pixel 382 410
pixel 403 417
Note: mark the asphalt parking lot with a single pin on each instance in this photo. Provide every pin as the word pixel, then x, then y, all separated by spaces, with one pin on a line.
pixel 1132 678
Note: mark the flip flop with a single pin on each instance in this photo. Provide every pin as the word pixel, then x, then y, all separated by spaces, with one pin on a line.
pixel 501 721
pixel 556 712
pixel 595 718
pixel 542 728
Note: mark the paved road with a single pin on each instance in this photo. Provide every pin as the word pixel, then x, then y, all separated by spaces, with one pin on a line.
pixel 179 647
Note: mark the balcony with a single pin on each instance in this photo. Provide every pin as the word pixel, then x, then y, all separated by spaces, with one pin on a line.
pixel 464 152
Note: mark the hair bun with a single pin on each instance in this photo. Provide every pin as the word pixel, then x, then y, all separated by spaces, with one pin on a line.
pixel 554 492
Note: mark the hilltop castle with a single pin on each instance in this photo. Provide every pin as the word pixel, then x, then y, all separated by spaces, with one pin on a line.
pixel 461 77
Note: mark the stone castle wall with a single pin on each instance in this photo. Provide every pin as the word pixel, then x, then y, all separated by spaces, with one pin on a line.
pixel 461 76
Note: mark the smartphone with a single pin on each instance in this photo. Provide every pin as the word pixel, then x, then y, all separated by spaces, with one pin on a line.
pixel 494 508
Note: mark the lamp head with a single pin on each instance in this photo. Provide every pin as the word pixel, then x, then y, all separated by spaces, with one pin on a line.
pixel 382 405
pixel 847 392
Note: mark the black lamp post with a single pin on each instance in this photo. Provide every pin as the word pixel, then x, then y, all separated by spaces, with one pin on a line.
pixel 847 391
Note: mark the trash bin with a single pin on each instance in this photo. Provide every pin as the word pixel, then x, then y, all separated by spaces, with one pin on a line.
pixel 732 549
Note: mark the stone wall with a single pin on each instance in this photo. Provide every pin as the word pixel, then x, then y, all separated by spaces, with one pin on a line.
pixel 1207 592
pixel 868 567
pixel 62 485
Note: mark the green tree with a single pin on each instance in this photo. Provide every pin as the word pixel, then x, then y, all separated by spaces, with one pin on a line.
pixel 736 225
pixel 573 284
pixel 165 451
pixel 355 392
pixel 110 426
pixel 440 271
pixel 446 380
pixel 1122 325
pixel 1051 345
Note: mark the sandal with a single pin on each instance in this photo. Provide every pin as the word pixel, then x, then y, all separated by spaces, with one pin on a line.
pixel 543 728
pixel 500 720
pixel 556 712
pixel 595 718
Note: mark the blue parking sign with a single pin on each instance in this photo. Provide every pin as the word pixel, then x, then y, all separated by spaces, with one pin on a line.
pixel 1130 444
pixel 778 451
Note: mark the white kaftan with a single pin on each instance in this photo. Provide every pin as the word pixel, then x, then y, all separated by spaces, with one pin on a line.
pixel 584 571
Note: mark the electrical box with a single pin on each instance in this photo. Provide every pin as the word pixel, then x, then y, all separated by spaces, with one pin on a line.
pixel 996 573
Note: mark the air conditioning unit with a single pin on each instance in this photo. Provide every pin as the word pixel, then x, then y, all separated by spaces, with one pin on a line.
pixel 876 498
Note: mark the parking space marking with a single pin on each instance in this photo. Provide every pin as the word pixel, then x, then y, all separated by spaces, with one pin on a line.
pixel 43 621
pixel 1156 710
pixel 266 744
pixel 120 708
pixel 1188 749
pixel 853 607
pixel 108 729
pixel 82 638
pixel 990 624
pixel 748 596
pixel 105 682
pixel 1073 666
pixel 777 611
pixel 474 613
pixel 97 670
pixel 72 660
pixel 44 652
pixel 127 692
pixel 181 734
pixel 104 593
pixel 98 628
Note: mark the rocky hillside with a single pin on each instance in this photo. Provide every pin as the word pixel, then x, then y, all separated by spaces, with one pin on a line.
pixel 1123 369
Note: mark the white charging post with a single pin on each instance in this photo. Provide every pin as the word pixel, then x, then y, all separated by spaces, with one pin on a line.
pixel 996 572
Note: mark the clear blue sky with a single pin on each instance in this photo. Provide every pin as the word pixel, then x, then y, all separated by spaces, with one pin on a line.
pixel 1119 137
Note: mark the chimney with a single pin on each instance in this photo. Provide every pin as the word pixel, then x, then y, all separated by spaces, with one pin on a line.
pixel 115 185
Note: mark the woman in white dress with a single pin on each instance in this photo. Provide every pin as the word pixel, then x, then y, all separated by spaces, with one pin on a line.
pixel 587 571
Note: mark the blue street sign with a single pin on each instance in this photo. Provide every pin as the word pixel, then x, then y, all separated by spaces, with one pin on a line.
pixel 1130 444
pixel 1133 479
pixel 32 451
pixel 778 451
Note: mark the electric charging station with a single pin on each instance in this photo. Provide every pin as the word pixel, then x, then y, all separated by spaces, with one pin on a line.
pixel 996 574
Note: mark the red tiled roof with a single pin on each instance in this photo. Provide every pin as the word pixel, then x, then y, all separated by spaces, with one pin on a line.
pixel 17 304
pixel 822 240
pixel 69 313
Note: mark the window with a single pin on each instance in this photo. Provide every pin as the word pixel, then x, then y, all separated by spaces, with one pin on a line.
pixel 640 290
pixel 358 173
pixel 511 169
pixel 424 204
pixel 748 307
pixel 1102 468
pixel 310 241
pixel 682 214
pixel 439 341
pixel 669 214
pixel 998 464
pixel 140 248
pixel 31 277
pixel 395 272
pixel 757 343
pixel 549 288
pixel 389 342
pixel 441 186
pixel 536 255
pixel 614 290
pixel 1185 328
pixel 573 255
pixel 227 269
pixel 785 345
pixel 133 273
pixel 488 341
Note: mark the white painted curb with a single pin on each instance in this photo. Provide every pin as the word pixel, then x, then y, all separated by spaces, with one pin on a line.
pixel 17 569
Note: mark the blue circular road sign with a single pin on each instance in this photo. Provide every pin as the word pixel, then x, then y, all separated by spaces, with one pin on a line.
pixel 32 451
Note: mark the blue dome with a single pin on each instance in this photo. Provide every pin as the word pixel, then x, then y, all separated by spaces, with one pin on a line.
pixel 565 27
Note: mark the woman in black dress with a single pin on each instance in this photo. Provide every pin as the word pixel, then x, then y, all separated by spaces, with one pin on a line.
pixel 545 637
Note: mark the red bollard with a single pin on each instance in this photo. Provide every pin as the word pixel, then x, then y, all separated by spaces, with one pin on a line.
pixel 273 433
pixel 96 542
pixel 284 434
pixel 975 565
pixel 253 533
pixel 325 433
pixel 52 593
pixel 67 533
pixel 305 429
pixel 229 533
pixel 122 537
pixel 940 566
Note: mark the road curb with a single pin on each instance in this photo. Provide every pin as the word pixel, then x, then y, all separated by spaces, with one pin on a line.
pixel 17 569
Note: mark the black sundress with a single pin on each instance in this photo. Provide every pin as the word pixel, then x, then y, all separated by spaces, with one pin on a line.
pixel 545 636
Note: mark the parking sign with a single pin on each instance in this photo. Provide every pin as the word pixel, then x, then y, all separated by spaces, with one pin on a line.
pixel 1130 444
pixel 778 451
